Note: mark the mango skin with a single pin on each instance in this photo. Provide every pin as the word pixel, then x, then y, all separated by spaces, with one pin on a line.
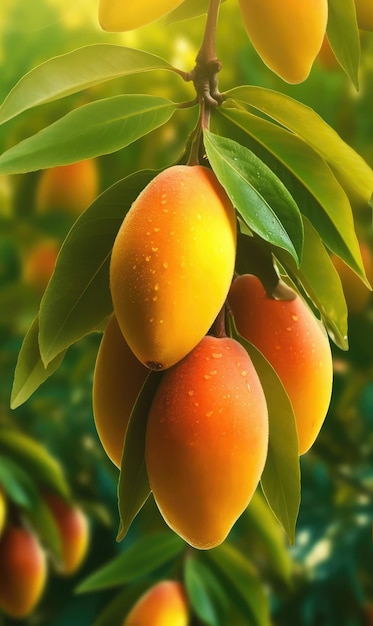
pixel 207 441
pixel 164 604
pixel 121 15
pixel 172 264
pixel 118 378
pixel 73 527
pixel 39 264
pixel 67 188
pixel 294 342
pixel 23 572
pixel 364 14
pixel 287 35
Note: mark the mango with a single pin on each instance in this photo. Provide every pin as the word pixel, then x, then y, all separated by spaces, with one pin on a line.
pixel 172 264
pixel 23 571
pixel 73 527
pixel 118 378
pixel 364 14
pixel 67 188
pixel 120 15
pixel 356 293
pixel 291 338
pixel 207 441
pixel 164 604
pixel 287 35
pixel 39 264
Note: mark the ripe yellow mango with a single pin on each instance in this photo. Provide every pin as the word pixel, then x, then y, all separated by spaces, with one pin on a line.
pixel 117 380
pixel 287 34
pixel 207 441
pixel 164 604
pixel 121 15
pixel 172 264
pixel 294 342
pixel 364 14
pixel 23 571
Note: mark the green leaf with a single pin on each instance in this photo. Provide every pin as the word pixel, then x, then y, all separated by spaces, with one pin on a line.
pixel 350 169
pixel 242 583
pixel 321 283
pixel 114 612
pixel 30 372
pixel 43 522
pixel 329 209
pixel 140 559
pixel 344 38
pixel 91 130
pixel 262 530
pixel 80 69
pixel 78 297
pixel 205 593
pixel 33 458
pixel 258 195
pixel 133 486
pixel 17 484
pixel 281 476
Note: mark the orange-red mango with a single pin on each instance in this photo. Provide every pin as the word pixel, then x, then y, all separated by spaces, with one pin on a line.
pixel 294 342
pixel 164 604
pixel 207 441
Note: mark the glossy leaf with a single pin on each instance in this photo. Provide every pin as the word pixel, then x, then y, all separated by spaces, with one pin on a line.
pixel 350 169
pixel 344 38
pixel 34 459
pixel 91 130
pixel 242 583
pixel 70 73
pixel 262 529
pixel 18 485
pixel 330 209
pixel 206 595
pixel 133 486
pixel 30 372
pixel 78 298
pixel 140 559
pixel 114 612
pixel 258 195
pixel 281 476
pixel 321 283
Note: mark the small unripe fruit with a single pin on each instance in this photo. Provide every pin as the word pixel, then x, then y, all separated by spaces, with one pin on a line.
pixel 364 14
pixel 23 571
pixel 356 293
pixel 164 604
pixel 73 528
pixel 287 34
pixel 120 15
pixel 68 188
pixel 294 342
pixel 172 264
pixel 118 378
pixel 39 264
pixel 207 441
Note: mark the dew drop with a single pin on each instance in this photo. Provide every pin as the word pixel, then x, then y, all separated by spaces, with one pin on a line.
pixel 209 413
pixel 155 249
pixel 147 259
pixel 156 287
pixel 294 317
pixel 165 265
pixel 244 373
pixel 206 376
pixel 191 392
pixel 155 298
pixel 217 355
pixel 156 230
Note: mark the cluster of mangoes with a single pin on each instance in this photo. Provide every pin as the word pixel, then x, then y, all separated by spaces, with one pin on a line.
pixel 23 558
pixel 172 280
pixel 287 35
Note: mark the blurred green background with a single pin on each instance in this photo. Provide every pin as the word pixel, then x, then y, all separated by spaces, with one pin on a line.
pixel 333 556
